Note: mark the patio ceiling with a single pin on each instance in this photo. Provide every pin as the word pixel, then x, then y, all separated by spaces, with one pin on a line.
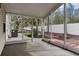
pixel 31 9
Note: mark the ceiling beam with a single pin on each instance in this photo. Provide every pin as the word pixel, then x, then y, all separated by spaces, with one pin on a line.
pixel 53 9
pixel 23 15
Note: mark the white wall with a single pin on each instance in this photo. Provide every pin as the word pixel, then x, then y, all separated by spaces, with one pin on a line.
pixel 8 20
pixel 71 28
pixel 2 35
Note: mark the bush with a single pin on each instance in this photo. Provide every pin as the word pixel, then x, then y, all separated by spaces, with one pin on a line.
pixel 35 34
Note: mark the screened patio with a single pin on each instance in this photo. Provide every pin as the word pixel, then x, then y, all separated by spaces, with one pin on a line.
pixel 54 23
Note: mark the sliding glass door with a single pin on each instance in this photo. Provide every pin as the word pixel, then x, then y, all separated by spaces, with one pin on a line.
pixel 18 28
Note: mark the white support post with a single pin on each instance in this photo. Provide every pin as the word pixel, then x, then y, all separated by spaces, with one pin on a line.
pixel 32 30
pixel 65 24
pixel 48 25
pixel 22 27
pixel 43 29
pixel 51 28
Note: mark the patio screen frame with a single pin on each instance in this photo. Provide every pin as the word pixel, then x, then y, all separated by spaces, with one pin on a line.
pixel 65 35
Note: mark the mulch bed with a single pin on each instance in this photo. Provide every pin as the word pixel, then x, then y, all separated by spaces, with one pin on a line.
pixel 72 40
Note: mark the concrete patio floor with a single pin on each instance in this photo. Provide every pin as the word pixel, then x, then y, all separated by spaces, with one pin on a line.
pixel 35 48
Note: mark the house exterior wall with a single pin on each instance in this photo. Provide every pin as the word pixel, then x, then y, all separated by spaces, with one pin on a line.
pixel 2 34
